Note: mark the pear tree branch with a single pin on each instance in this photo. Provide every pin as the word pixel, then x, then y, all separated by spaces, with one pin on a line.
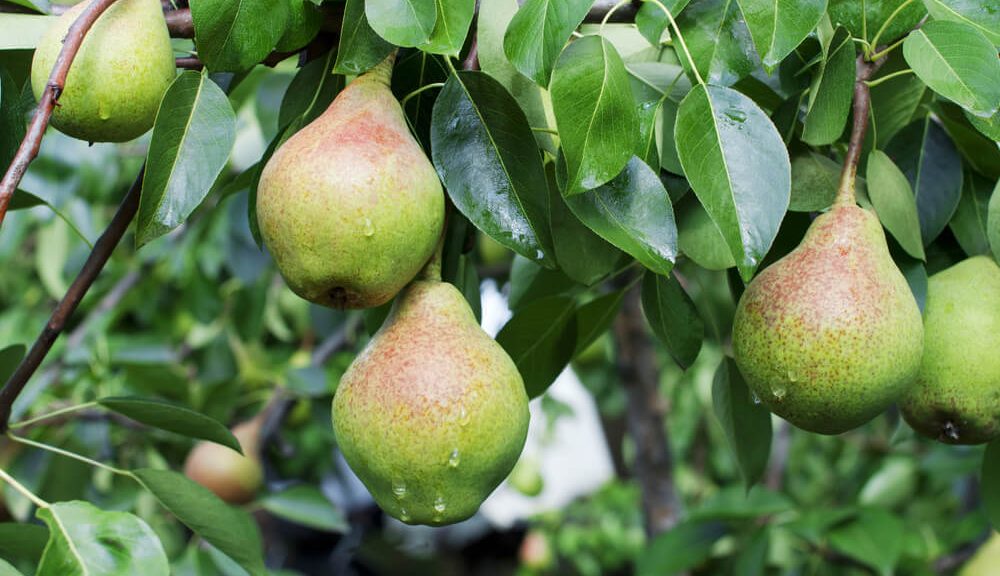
pixel 49 100
pixel 862 102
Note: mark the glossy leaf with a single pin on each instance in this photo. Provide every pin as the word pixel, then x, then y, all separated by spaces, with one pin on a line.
pixel 402 22
pixel 969 224
pixel 699 238
pixel 869 16
pixel 454 18
pixel 895 103
pixel 652 21
pixel 172 418
pixel 538 32
pixel 310 92
pixel 84 539
pixel 746 422
pixel 632 212
pixel 978 150
pixel 779 26
pixel 360 47
pixel 486 156
pixel 233 36
pixel 976 13
pixel 581 254
pixel 893 200
pixel 990 477
pixel 831 93
pixel 933 167
pixel 719 40
pixel 541 339
pixel 814 182
pixel 957 62
pixel 738 166
pixel 229 529
pixel 595 318
pixel 194 132
pixel 673 317
pixel 307 506
pixel 685 546
pixel 594 110
pixel 530 282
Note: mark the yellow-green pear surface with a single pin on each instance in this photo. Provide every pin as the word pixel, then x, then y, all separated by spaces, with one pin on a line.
pixel 118 77
pixel 830 335
pixel 233 477
pixel 432 414
pixel 350 207
pixel 957 395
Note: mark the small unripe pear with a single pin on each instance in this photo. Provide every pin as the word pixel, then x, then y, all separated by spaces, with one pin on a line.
pixel 432 414
pixel 233 477
pixel 956 398
pixel 118 77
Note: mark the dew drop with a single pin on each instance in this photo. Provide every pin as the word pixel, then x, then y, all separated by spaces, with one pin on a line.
pixel 102 112
pixel 368 228
pixel 439 505
pixel 778 393
pixel 755 398
pixel 404 515
pixel 539 255
pixel 454 459
pixel 737 116
pixel 399 489
pixel 793 377
pixel 463 416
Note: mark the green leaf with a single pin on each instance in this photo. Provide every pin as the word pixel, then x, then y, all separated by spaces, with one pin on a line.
pixel 307 506
pixel 229 529
pixel 486 156
pixel 402 22
pixel 874 538
pixel 40 6
pixel 10 358
pixel 673 317
pixel 989 479
pixel 831 93
pixel 541 339
pixel 87 540
pixel 581 254
pixel 454 18
pixel 738 166
pixel 969 224
pixel 529 282
pixel 22 541
pixel 928 158
pixel 746 422
pixel 538 32
pixel 310 92
pixel 194 132
pixel 993 222
pixel 895 103
pixel 779 26
pixel 699 238
pixel 51 255
pixel 652 21
pixel 733 504
pixel 989 127
pixel 8 570
pixel 632 212
pixel 814 182
pixel 595 317
pixel 595 112
pixel 984 18
pixel 360 47
pixel 719 41
pixel 894 203
pixel 23 31
pixel 685 546
pixel 172 418
pixel 233 36
pixel 870 15
pixel 957 62
pixel 12 120
pixel 977 149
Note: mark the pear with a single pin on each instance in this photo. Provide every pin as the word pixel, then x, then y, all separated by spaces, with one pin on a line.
pixel 350 207
pixel 957 395
pixel 830 335
pixel 432 414
pixel 118 77
pixel 233 477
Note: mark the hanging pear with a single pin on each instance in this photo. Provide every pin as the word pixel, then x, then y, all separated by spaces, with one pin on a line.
pixel 350 207
pixel 118 77
pixel 432 414
pixel 830 335
pixel 233 477
pixel 957 395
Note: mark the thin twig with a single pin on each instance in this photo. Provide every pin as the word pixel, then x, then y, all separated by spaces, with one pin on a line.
pixel 189 63
pixel 862 100
pixel 57 322
pixel 50 97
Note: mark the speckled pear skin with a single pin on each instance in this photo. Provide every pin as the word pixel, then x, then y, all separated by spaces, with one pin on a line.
pixel 118 77
pixel 350 207
pixel 830 335
pixel 957 395
pixel 432 415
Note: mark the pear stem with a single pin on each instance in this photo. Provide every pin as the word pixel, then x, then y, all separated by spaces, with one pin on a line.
pixel 381 72
pixel 862 100
pixel 432 271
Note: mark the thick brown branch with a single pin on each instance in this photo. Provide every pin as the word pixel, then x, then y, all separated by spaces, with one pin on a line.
pixel 645 410
pixel 179 23
pixel 57 322
pixel 57 81
pixel 189 63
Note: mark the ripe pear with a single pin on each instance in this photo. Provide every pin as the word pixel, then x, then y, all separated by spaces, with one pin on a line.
pixel 830 335
pixel 432 414
pixel 350 207
pixel 233 477
pixel 118 77
pixel 956 398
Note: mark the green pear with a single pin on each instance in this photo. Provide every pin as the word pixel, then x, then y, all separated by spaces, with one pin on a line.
pixel 350 207
pixel 118 77
pixel 233 477
pixel 957 395
pixel 304 21
pixel 432 414
pixel 830 335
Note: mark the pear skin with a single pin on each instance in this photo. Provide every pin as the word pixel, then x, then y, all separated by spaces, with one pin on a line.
pixel 830 335
pixel 957 395
pixel 233 477
pixel 350 207
pixel 432 414
pixel 115 83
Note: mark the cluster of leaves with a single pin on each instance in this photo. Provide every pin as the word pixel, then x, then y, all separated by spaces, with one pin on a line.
pixel 694 145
